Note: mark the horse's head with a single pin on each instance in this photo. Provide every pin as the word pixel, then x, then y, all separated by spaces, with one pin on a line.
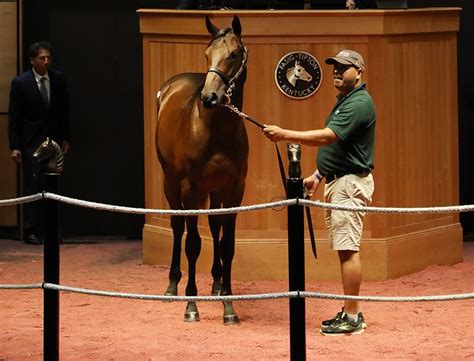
pixel 226 57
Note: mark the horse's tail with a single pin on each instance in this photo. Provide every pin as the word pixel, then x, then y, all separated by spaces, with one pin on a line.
pixel 158 102
pixel 158 105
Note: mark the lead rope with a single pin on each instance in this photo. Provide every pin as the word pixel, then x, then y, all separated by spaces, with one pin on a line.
pixel 236 110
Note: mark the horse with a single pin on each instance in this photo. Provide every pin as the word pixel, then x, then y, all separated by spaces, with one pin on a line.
pixel 298 72
pixel 203 150
pixel 51 152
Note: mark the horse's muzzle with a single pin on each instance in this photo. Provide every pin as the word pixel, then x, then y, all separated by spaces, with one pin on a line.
pixel 210 100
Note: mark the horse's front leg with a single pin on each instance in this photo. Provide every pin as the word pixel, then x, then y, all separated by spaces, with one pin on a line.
pixel 227 254
pixel 192 249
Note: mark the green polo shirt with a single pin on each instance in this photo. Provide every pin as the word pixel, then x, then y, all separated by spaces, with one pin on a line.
pixel 353 121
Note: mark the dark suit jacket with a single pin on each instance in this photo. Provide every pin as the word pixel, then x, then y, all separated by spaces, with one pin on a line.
pixel 30 121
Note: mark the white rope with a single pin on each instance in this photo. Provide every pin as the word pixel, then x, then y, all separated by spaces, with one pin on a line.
pixel 26 199
pixel 263 296
pixel 447 209
pixel 196 212
pixel 26 286
pixel 455 297
pixel 173 212
pixel 138 296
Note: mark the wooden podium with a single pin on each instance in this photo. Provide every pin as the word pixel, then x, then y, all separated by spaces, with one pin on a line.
pixel 411 63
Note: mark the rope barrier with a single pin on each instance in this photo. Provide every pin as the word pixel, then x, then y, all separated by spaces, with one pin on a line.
pixel 263 296
pixel 20 200
pixel 419 210
pixel 26 286
pixel 195 212
pixel 329 296
pixel 172 212
pixel 279 295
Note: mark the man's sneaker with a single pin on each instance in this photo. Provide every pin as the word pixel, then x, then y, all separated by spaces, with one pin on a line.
pixel 343 326
pixel 327 323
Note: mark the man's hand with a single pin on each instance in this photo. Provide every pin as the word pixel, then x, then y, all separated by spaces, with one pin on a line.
pixel 274 133
pixel 311 183
pixel 16 156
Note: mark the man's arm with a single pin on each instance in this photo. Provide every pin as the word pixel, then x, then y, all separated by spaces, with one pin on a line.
pixel 316 137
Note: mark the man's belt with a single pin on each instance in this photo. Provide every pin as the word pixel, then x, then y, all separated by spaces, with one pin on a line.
pixel 333 176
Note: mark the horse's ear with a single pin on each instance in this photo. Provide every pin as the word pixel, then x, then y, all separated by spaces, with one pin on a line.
pixel 236 27
pixel 210 27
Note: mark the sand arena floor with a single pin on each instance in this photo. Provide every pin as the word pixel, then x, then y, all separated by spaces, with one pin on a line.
pixel 103 328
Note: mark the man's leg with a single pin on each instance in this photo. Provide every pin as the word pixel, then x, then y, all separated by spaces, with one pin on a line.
pixel 349 320
pixel 351 271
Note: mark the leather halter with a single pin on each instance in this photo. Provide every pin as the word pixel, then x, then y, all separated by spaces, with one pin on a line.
pixel 230 81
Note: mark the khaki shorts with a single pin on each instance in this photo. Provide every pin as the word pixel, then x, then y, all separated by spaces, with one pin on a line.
pixel 345 227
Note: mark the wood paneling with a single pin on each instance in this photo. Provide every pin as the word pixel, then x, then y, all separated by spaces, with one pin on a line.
pixel 8 50
pixel 8 176
pixel 411 73
pixel 8 59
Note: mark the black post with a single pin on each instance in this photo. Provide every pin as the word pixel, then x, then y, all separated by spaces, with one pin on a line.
pixel 296 265
pixel 51 269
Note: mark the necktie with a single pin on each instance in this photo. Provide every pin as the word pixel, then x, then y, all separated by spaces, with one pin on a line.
pixel 43 91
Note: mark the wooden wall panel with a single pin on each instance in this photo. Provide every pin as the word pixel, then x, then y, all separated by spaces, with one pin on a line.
pixel 8 176
pixel 8 50
pixel 425 128
pixel 8 59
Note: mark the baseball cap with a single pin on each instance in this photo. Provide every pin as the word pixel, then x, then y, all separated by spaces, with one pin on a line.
pixel 347 57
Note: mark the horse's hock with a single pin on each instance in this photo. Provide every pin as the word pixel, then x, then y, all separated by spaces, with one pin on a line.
pixel 416 160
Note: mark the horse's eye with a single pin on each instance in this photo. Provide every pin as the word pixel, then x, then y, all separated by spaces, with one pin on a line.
pixel 233 56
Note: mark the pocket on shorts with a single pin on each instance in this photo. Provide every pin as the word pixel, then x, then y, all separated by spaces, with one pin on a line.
pixel 360 188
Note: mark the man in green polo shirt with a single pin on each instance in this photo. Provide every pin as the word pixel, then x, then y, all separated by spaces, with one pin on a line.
pixel 345 160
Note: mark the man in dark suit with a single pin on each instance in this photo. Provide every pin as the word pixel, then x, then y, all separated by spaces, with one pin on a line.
pixel 38 108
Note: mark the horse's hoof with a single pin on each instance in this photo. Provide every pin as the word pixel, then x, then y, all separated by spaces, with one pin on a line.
pixel 191 317
pixel 171 291
pixel 216 292
pixel 231 320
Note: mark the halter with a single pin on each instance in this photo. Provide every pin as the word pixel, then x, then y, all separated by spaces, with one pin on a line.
pixel 229 81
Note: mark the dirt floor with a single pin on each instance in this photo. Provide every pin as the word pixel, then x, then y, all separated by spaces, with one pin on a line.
pixel 103 328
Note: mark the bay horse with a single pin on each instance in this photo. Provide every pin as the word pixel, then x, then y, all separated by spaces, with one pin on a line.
pixel 203 148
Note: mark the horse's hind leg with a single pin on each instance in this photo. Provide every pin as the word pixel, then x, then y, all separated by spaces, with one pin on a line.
pixel 232 198
pixel 215 224
pixel 193 249
pixel 228 250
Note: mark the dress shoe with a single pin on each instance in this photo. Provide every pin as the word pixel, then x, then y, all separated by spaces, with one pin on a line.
pixel 33 239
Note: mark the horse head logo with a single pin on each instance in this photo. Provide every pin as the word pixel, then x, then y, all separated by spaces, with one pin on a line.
pixel 298 72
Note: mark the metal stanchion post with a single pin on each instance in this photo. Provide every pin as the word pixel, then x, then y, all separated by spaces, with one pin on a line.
pixel 51 268
pixel 296 266
pixel 49 156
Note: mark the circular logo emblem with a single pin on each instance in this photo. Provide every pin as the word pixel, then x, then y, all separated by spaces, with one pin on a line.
pixel 298 75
